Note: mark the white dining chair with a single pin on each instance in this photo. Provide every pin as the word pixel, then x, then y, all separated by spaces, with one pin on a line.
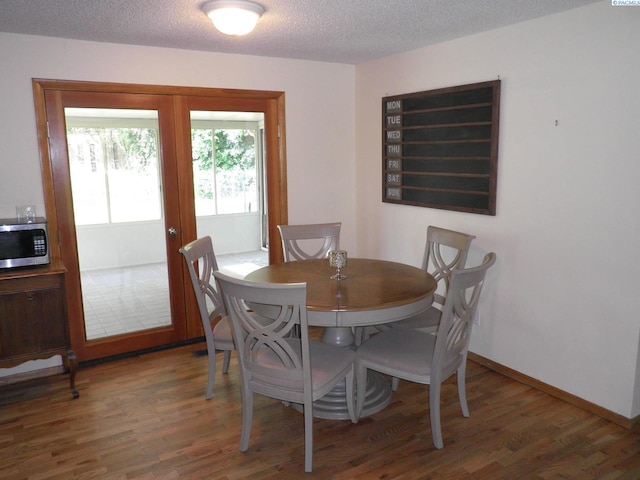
pixel 444 251
pixel 201 263
pixel 425 358
pixel 310 241
pixel 276 364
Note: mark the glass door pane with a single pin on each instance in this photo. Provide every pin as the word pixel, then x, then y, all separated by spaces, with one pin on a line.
pixel 228 170
pixel 116 182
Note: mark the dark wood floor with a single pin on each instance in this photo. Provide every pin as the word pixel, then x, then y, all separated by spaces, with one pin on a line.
pixel 146 418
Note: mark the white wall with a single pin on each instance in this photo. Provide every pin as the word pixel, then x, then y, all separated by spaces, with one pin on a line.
pixel 319 97
pixel 560 302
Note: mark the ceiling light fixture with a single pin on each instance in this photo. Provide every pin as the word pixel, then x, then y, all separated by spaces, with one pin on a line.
pixel 233 17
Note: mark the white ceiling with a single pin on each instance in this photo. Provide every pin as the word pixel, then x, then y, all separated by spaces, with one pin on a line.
pixel 340 31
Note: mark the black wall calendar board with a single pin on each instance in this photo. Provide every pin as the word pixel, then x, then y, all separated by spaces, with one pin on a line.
pixel 440 148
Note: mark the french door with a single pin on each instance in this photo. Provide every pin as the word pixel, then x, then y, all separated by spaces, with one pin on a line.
pixel 91 188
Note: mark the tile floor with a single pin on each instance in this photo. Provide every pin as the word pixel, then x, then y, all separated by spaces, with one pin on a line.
pixel 124 300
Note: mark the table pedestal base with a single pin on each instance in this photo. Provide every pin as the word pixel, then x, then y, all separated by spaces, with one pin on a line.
pixel 333 406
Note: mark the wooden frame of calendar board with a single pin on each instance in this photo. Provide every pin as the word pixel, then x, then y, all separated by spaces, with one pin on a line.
pixel 440 148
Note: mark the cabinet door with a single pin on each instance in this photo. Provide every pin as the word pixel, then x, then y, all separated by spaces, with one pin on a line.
pixel 31 321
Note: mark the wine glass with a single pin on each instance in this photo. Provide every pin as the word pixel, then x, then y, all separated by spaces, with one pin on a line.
pixel 338 260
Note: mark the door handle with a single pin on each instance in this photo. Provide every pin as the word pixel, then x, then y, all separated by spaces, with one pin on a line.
pixel 172 232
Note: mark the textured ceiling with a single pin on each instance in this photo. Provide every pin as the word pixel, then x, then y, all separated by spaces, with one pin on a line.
pixel 341 31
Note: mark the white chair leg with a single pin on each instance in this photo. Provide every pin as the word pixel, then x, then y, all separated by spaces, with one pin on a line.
pixel 462 388
pixel 227 361
pixel 308 436
pixel 434 410
pixel 212 373
pixel 247 418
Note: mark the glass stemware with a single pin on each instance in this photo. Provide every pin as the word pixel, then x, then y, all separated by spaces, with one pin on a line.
pixel 338 260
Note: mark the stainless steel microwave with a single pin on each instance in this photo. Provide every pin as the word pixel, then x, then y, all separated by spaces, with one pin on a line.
pixel 23 244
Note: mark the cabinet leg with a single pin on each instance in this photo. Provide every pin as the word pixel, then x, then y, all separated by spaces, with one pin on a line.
pixel 72 366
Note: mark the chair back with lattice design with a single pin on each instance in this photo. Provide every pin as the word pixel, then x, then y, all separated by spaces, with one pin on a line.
pixel 312 241
pixel 272 361
pixel 457 318
pixel 201 263
pixel 445 251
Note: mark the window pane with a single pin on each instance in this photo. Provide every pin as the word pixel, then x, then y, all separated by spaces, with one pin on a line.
pixel 88 175
pixel 235 171
pixel 115 174
pixel 203 171
pixel 236 191
pixel 227 185
pixel 133 175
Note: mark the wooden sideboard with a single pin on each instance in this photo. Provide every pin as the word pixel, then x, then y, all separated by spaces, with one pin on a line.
pixel 33 318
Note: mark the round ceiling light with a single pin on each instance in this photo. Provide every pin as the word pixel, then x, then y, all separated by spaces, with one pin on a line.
pixel 233 17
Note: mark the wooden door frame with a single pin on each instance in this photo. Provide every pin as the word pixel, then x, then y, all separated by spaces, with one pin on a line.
pixel 58 215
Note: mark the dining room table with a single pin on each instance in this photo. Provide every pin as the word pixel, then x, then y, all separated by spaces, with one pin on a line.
pixel 372 292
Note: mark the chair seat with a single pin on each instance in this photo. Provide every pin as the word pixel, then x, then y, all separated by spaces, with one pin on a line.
pixel 399 350
pixel 325 361
pixel 328 362
pixel 429 319
pixel 222 334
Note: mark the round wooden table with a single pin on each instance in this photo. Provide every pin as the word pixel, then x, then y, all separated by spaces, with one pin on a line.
pixel 374 292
